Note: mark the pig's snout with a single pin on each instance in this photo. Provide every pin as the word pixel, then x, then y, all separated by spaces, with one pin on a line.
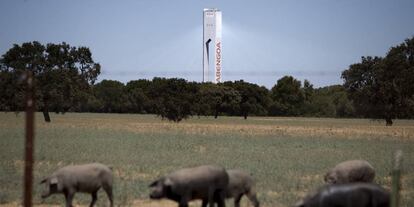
pixel 155 195
pixel 45 195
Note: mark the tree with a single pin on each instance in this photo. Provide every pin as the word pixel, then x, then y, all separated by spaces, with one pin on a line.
pixel 396 78
pixel 111 95
pixel 11 95
pixel 138 101
pixel 383 88
pixel 339 98
pixel 254 99
pixel 62 73
pixel 173 98
pixel 330 101
pixel 216 98
pixel 287 96
pixel 308 108
pixel 308 90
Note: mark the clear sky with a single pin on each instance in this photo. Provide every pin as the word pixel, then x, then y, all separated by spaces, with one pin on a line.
pixel 263 40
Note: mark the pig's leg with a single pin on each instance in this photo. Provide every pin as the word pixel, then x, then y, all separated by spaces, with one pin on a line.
pixel 237 199
pixel 183 204
pixel 252 197
pixel 108 190
pixel 204 203
pixel 69 197
pixel 184 201
pixel 221 201
pixel 94 198
pixel 211 198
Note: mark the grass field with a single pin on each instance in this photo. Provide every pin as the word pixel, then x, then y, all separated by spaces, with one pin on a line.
pixel 287 156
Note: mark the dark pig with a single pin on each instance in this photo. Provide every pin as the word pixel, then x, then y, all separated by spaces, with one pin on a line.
pixel 207 182
pixel 348 195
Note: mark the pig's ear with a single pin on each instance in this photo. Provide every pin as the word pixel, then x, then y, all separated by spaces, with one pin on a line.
pixel 325 177
pixel 43 181
pixel 154 183
pixel 168 182
pixel 300 204
pixel 53 181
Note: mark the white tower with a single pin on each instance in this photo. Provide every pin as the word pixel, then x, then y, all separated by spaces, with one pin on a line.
pixel 212 44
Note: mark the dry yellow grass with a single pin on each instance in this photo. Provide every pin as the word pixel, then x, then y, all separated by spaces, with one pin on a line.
pixel 253 126
pixel 277 126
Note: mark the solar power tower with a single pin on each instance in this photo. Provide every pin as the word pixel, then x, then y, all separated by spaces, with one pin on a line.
pixel 212 46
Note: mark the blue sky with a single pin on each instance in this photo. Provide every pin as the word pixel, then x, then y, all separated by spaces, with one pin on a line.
pixel 263 40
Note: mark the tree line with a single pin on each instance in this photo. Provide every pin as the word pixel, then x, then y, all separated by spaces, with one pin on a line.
pixel 376 87
pixel 176 99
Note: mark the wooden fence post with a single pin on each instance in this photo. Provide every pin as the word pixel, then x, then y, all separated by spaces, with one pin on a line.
pixel 28 167
pixel 396 179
